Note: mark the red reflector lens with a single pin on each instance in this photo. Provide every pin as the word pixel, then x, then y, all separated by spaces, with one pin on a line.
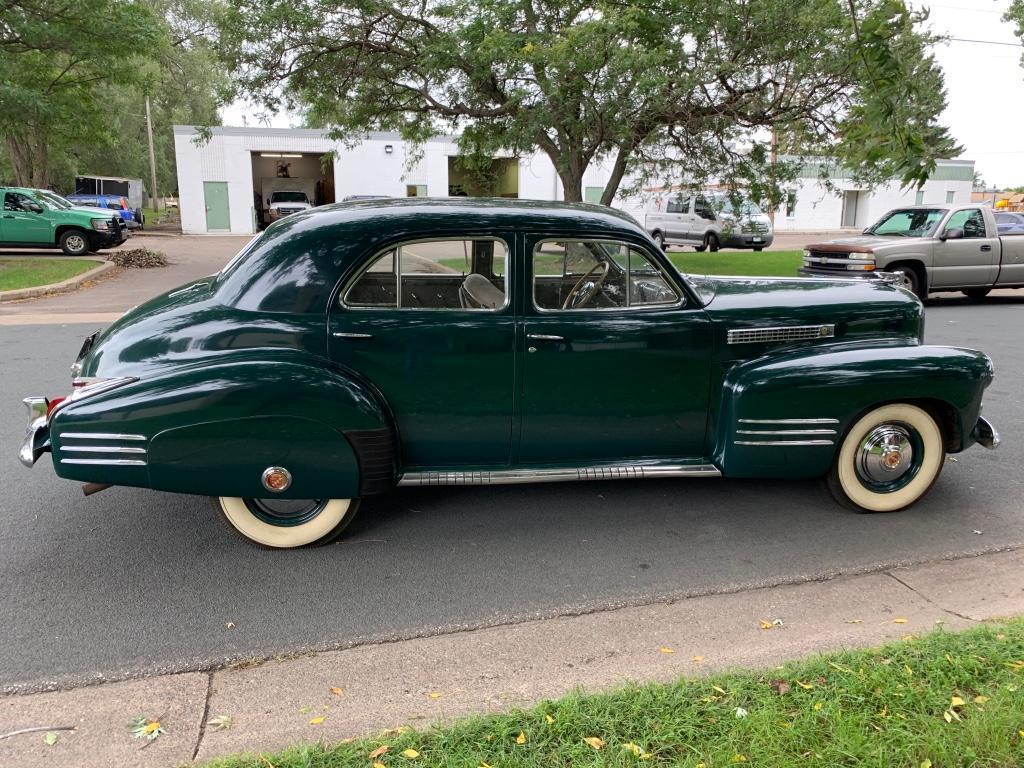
pixel 53 404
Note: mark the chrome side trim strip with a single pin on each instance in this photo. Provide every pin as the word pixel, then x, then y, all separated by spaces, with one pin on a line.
pixel 514 476
pixel 100 449
pixel 789 421
pixel 785 432
pixel 100 436
pixel 783 442
pixel 107 462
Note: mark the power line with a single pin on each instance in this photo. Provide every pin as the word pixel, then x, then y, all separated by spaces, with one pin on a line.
pixel 982 42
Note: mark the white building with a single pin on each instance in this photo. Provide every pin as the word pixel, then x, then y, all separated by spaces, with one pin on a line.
pixel 223 182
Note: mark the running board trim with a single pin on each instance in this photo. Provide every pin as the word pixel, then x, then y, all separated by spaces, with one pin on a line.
pixel 559 474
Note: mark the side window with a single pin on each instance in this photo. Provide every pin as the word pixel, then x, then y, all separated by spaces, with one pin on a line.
pixel 437 274
pixel 703 209
pixel 11 202
pixel 679 205
pixel 584 274
pixel 970 220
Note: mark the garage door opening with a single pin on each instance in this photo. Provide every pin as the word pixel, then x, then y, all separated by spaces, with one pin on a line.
pixel 284 183
pixel 499 178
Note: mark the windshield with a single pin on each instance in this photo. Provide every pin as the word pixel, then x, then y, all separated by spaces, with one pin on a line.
pixel 746 207
pixel 52 200
pixel 907 222
pixel 288 197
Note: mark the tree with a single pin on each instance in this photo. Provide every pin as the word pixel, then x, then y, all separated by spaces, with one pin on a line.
pixel 53 58
pixel 644 87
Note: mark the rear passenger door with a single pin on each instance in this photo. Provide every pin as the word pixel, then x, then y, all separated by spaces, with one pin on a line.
pixel 429 324
pixel 972 260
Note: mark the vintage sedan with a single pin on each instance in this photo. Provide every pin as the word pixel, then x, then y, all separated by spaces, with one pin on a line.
pixel 450 342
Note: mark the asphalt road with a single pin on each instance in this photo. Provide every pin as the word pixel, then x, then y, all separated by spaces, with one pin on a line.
pixel 131 581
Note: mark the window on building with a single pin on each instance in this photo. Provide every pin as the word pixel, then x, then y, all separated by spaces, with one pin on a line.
pixel 593 194
pixel 791 204
pixel 437 274
pixel 950 196
pixel 597 275
pixel 415 190
pixel 919 197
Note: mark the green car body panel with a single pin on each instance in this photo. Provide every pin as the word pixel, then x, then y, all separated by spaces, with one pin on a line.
pixel 265 365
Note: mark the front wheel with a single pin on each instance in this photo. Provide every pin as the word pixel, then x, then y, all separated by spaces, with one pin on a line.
pixel 75 242
pixel 909 279
pixel 659 238
pixel 887 460
pixel 286 523
pixel 977 294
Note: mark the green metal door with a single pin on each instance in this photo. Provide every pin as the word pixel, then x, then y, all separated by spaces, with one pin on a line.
pixel 216 195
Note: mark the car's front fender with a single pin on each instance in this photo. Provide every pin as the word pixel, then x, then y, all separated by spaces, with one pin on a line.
pixel 784 415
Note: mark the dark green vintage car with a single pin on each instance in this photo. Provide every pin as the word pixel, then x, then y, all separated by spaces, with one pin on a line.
pixel 453 342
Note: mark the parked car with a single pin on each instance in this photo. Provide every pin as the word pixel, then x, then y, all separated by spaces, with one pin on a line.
pixel 337 356
pixel 708 221
pixel 133 219
pixel 36 218
pixel 284 202
pixel 928 248
pixel 1009 223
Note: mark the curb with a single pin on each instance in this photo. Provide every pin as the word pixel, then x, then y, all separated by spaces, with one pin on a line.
pixel 64 285
pixel 439 678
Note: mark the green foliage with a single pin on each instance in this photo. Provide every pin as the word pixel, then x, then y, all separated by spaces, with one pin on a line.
pixel 659 90
pixel 941 700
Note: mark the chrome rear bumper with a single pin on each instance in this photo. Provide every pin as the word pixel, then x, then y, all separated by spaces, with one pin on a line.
pixel 985 434
pixel 37 434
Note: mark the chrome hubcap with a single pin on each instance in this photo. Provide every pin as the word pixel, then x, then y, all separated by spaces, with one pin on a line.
pixel 76 243
pixel 885 455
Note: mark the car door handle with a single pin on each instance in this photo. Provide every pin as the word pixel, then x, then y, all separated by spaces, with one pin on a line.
pixel 346 335
pixel 544 337
pixel 986 247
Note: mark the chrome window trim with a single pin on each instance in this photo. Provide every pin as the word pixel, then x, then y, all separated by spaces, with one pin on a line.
pixel 397 248
pixel 680 294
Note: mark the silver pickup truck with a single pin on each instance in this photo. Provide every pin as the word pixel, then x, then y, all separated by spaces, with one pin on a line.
pixel 929 248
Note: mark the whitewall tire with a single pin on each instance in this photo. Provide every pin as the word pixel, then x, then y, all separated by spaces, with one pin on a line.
pixel 286 523
pixel 888 459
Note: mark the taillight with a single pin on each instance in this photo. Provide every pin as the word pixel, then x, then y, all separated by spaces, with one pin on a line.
pixel 51 404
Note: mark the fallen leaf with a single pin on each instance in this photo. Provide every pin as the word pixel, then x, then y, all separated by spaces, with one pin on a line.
pixel 719 689
pixel 229 624
pixel 697 659
pixel 663 649
pixel 740 713
pixel 764 624
pixel 805 686
pixel 781 687
pixel 485 765
pixel 956 701
pixel 395 731
pixel 818 705
pixel 908 670
pixel 219 723
pixel 854 621
pixel 378 751
pixel 1016 666
pixel 899 621
pixel 410 754
pixel 317 720
pixel 549 719
pixel 631 747
pixel 378 764
pixel 434 695
pixel 594 741
pixel 926 764
pixel 336 690
pixel 739 758
pixel 50 738
pixel 521 738
pixel 980 699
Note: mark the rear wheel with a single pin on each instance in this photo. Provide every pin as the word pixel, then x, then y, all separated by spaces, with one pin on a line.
pixel 977 293
pixel 659 238
pixel 286 523
pixel 888 459
pixel 711 242
pixel 74 242
pixel 758 250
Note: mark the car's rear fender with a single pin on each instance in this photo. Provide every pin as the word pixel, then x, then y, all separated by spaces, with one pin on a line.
pixel 785 415
pixel 214 428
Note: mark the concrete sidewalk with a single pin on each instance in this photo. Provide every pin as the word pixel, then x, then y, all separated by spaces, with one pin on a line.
pixel 434 679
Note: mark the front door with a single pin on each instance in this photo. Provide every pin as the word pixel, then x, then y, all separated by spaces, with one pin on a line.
pixel 971 259
pixel 616 363
pixel 850 204
pixel 218 217
pixel 429 324
pixel 21 222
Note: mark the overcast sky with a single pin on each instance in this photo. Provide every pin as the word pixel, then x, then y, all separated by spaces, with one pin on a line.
pixel 984 84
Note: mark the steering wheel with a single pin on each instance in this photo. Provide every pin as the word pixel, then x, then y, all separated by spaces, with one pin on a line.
pixel 582 293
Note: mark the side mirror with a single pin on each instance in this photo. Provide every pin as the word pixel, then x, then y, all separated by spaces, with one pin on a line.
pixel 952 234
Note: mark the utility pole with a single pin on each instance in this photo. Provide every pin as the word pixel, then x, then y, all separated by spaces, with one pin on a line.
pixel 774 160
pixel 152 156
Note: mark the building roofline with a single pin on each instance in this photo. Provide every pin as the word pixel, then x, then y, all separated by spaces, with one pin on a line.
pixel 311 133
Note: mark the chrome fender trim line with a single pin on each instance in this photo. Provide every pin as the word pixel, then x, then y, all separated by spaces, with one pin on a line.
pixel 550 475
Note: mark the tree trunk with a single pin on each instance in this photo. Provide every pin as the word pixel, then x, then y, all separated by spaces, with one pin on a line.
pixel 618 170
pixel 572 187
pixel 30 161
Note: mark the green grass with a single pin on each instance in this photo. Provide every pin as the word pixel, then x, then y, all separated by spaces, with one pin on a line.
pixel 891 707
pixel 28 273
pixel 764 264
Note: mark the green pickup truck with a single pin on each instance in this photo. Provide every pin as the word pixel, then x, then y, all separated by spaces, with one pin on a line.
pixel 36 218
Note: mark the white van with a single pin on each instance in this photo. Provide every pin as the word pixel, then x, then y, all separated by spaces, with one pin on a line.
pixel 707 221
